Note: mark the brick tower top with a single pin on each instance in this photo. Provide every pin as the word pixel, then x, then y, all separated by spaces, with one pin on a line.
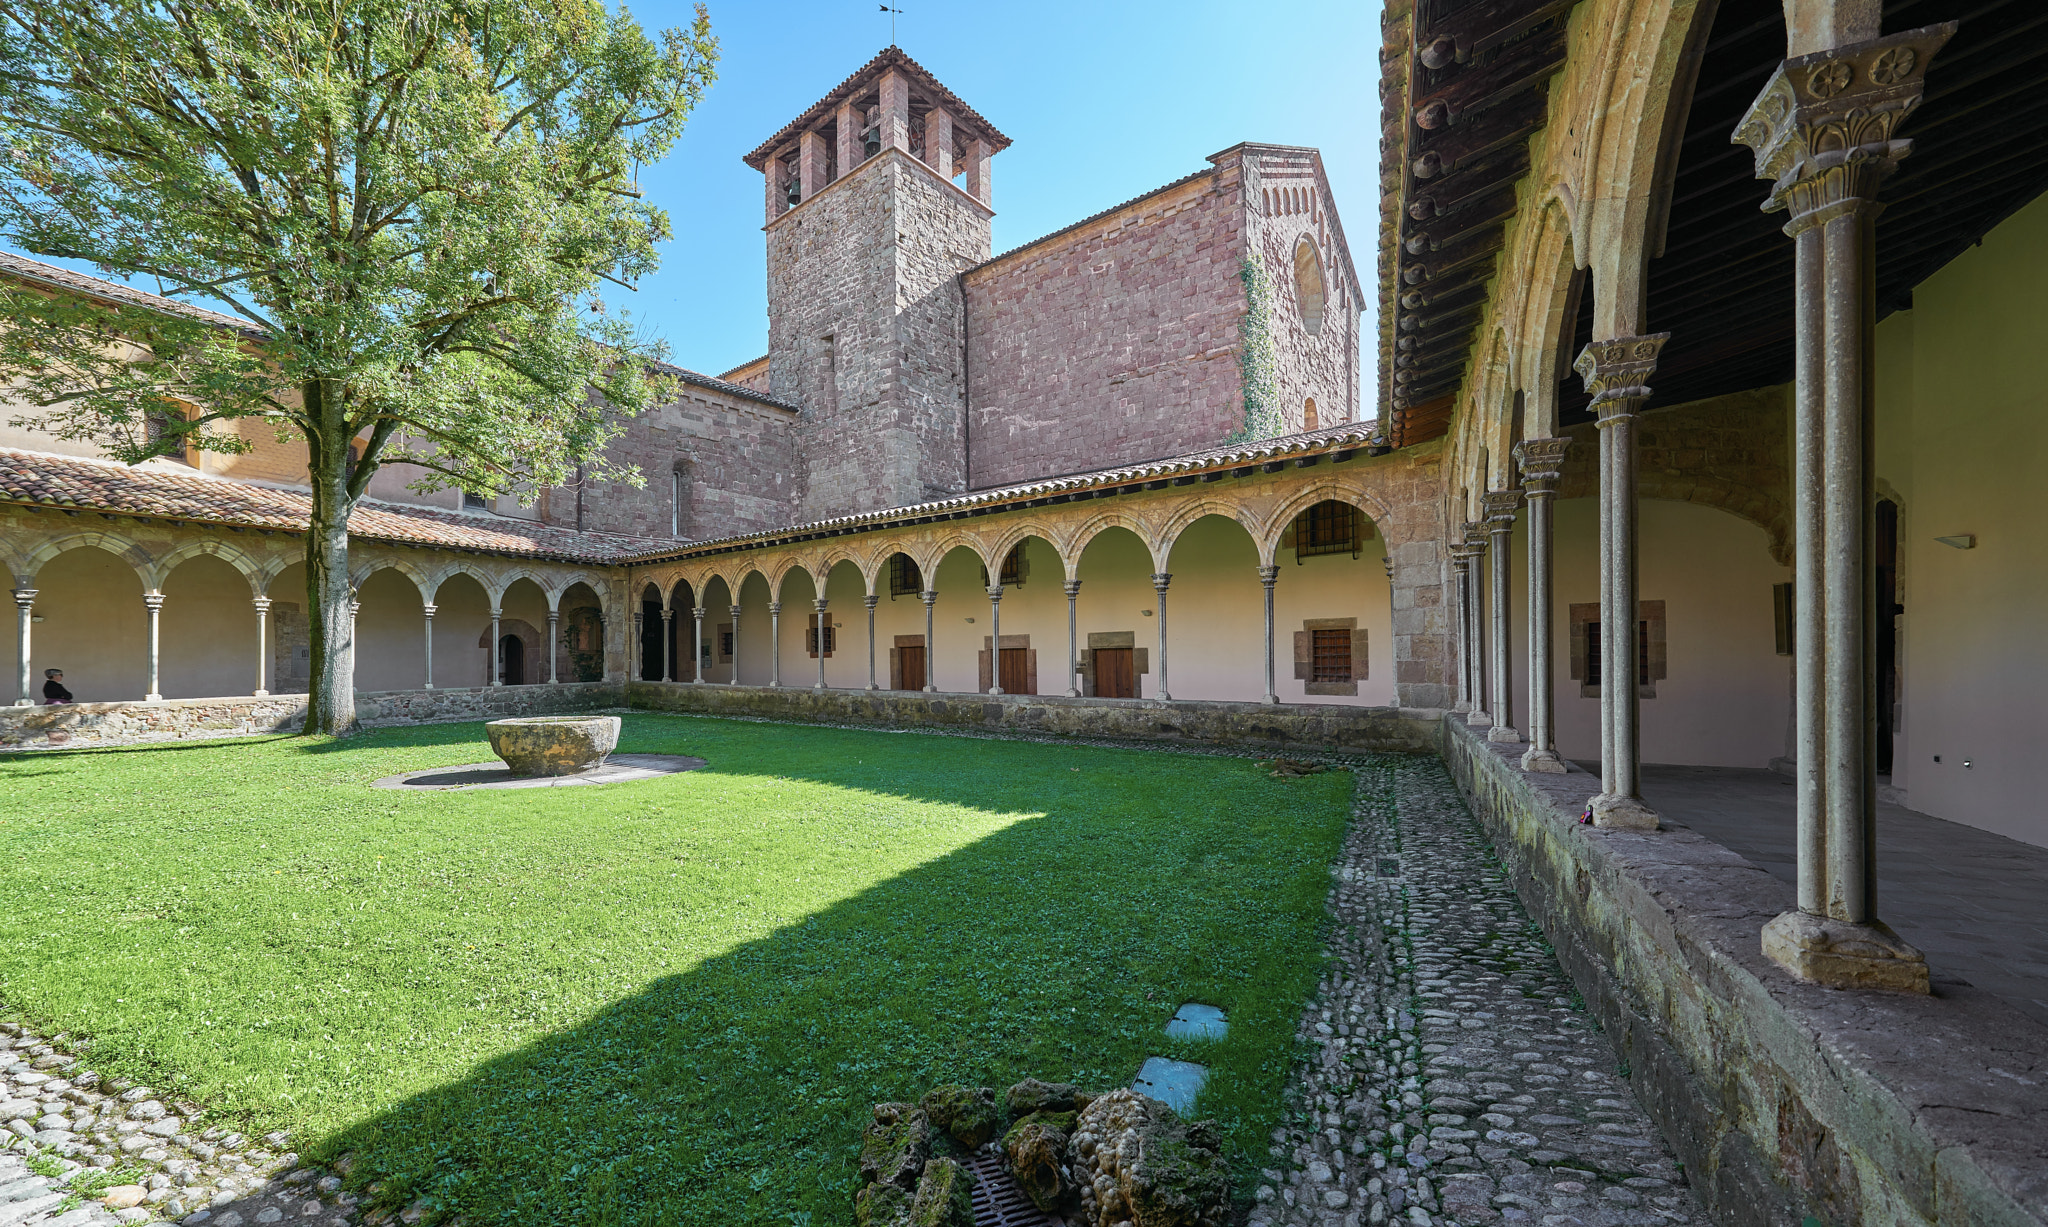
pixel 890 103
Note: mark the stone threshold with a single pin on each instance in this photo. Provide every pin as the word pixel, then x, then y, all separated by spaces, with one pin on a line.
pixel 1785 1100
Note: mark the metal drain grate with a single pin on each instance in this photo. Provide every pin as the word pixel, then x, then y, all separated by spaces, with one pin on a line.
pixel 998 1200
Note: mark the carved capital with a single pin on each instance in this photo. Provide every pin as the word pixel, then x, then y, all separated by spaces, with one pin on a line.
pixel 1542 463
pixel 1836 108
pixel 25 598
pixel 1475 537
pixel 995 592
pixel 426 609
pixel 871 600
pixel 1616 372
pixel 1073 587
pixel 821 602
pixel 1501 506
pixel 1160 579
pixel 775 607
pixel 697 612
pixel 1269 575
pixel 154 600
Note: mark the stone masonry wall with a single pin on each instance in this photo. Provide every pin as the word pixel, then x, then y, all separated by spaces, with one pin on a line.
pixel 1288 201
pixel 1787 1102
pixel 1114 342
pixel 864 333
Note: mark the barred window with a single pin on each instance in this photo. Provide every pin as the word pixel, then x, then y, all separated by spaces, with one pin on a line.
pixel 725 644
pixel 1329 527
pixel 811 639
pixel 1330 655
pixel 1594 661
pixel 904 577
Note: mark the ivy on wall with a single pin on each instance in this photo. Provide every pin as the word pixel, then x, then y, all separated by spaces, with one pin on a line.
pixel 1257 360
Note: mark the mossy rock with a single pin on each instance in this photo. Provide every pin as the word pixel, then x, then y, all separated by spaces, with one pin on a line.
pixel 943 1196
pixel 1036 1148
pixel 882 1205
pixel 895 1145
pixel 1144 1164
pixel 968 1113
pixel 1031 1095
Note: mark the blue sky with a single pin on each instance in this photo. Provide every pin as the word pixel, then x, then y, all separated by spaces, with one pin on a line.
pixel 1104 101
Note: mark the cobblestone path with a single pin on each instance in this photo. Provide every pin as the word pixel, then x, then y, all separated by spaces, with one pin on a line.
pixel 1455 1078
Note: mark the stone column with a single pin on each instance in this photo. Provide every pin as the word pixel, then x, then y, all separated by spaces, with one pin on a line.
pixel 497 647
pixel 668 644
pixel 938 142
pixel 774 644
pixel 1542 463
pixel 1073 641
pixel 1268 576
pixel 262 604
pixel 995 639
pixel 1500 525
pixel 1461 573
pixel 821 643
pixel 1475 622
pixel 24 617
pixel 697 644
pixel 1159 582
pixel 554 633
pixel 979 182
pixel 1824 129
pixel 895 98
pixel 636 653
pixel 870 600
pixel 429 610
pixel 735 611
pixel 849 139
pixel 930 597
pixel 1616 373
pixel 810 164
pixel 154 601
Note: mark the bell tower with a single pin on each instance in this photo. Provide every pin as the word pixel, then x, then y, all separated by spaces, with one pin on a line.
pixel 877 199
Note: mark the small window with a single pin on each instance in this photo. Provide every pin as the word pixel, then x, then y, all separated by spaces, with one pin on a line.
pixel 472 501
pixel 1308 286
pixel 1586 652
pixel 1330 656
pixel 725 641
pixel 1014 571
pixel 679 500
pixel 160 431
pixel 1329 527
pixel 811 639
pixel 904 578
pixel 1309 419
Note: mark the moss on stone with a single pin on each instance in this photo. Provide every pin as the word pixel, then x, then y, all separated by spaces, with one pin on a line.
pixel 895 1145
pixel 968 1113
pixel 882 1205
pixel 1036 1148
pixel 943 1196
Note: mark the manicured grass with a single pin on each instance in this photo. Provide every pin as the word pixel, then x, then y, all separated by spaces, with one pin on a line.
pixel 669 1001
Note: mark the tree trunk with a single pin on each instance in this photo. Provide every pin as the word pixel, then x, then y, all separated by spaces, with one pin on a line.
pixel 331 697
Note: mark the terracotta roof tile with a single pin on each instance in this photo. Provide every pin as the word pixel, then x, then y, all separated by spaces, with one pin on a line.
pixel 888 57
pixel 25 269
pixel 40 479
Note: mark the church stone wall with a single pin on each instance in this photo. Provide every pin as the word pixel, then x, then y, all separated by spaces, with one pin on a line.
pixel 1112 343
pixel 1289 202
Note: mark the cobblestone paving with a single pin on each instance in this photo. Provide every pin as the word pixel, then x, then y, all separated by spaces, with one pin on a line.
pixel 1455 1077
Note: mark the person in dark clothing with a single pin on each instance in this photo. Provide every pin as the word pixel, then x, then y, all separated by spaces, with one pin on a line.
pixel 53 687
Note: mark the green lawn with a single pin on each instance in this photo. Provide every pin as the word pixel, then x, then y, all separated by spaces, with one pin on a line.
pixel 669 1001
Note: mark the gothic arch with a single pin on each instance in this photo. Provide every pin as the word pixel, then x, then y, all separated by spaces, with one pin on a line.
pixel 120 547
pixel 1178 523
pixel 1268 538
pixel 161 569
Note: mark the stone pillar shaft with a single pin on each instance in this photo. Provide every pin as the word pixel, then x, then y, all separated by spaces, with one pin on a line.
pixel 930 597
pixel 697 644
pixel 1542 463
pixel 1475 623
pixel 821 643
pixel 668 644
pixel 24 618
pixel 554 647
pixel 497 665
pixel 810 161
pixel 870 600
pixel 1461 573
pixel 428 610
pixel 849 120
pixel 774 644
pixel 995 639
pixel 1500 524
pixel 262 604
pixel 1159 582
pixel 154 602
pixel 735 654
pixel 895 93
pixel 1073 641
pixel 1268 576
pixel 938 142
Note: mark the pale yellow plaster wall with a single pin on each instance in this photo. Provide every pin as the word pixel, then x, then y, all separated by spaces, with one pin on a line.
pixel 206 632
pixel 390 633
pixel 461 612
pixel 1962 436
pixel 93 627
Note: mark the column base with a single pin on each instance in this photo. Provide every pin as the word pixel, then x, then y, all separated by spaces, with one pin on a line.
pixel 871 686
pixel 1503 732
pixel 1073 693
pixel 261 694
pixel 1544 761
pixel 24 702
pixel 1840 954
pixel 1623 813
pixel 152 698
pixel 1479 719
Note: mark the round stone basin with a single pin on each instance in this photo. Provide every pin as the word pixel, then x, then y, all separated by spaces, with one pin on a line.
pixel 553 745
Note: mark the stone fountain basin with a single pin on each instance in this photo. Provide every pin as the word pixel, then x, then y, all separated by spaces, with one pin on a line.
pixel 553 745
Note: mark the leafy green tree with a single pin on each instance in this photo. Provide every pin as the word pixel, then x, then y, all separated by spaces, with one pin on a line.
pixel 406 207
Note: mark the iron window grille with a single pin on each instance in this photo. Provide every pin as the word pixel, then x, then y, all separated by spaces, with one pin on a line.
pixel 904 577
pixel 1327 528
pixel 1330 655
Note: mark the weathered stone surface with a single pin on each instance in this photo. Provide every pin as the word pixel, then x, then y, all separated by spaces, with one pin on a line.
pixel 895 1145
pixel 967 1113
pixel 881 1205
pixel 1036 1148
pixel 553 745
pixel 1031 1095
pixel 1139 1162
pixel 1843 955
pixel 943 1196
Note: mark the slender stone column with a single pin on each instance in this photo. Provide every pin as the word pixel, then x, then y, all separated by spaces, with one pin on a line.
pixel 1461 575
pixel 1500 525
pixel 155 603
pixel 1073 641
pixel 697 644
pixel 1542 462
pixel 1268 576
pixel 930 597
pixel 774 644
pixel 497 649
pixel 554 653
pixel 1824 129
pixel 1616 373
pixel 735 612
pixel 1159 582
pixel 262 604
pixel 821 643
pixel 1475 622
pixel 429 610
pixel 870 600
pixel 24 617
pixel 668 644
pixel 638 652
pixel 995 639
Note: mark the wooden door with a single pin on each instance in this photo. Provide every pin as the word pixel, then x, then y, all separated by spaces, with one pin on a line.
pixel 1015 677
pixel 1113 676
pixel 911 662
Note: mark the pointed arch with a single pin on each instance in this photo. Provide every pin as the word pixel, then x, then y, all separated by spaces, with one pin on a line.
pixel 1178 523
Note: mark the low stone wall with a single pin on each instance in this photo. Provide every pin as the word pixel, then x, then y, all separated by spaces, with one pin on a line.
pixel 1784 1100
pixel 1301 726
pixel 90 724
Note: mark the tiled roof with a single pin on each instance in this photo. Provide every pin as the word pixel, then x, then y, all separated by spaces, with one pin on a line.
pixel 723 385
pixel 890 57
pixel 39 479
pixel 50 275
pixel 1239 460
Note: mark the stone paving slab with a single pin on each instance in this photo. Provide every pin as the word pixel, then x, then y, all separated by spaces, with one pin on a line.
pixel 1456 1078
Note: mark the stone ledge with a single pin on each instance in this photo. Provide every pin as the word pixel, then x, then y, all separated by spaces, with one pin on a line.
pixel 1284 725
pixel 1784 1099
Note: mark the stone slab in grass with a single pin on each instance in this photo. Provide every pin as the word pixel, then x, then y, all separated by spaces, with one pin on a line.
pixel 1173 1083
pixel 1195 1021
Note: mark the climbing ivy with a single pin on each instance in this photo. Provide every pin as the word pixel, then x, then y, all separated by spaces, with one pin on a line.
pixel 1256 360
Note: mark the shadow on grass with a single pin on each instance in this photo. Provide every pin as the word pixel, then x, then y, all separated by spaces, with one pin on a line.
pixel 1057 947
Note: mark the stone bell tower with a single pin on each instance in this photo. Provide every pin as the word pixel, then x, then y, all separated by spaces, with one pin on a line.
pixel 877 199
